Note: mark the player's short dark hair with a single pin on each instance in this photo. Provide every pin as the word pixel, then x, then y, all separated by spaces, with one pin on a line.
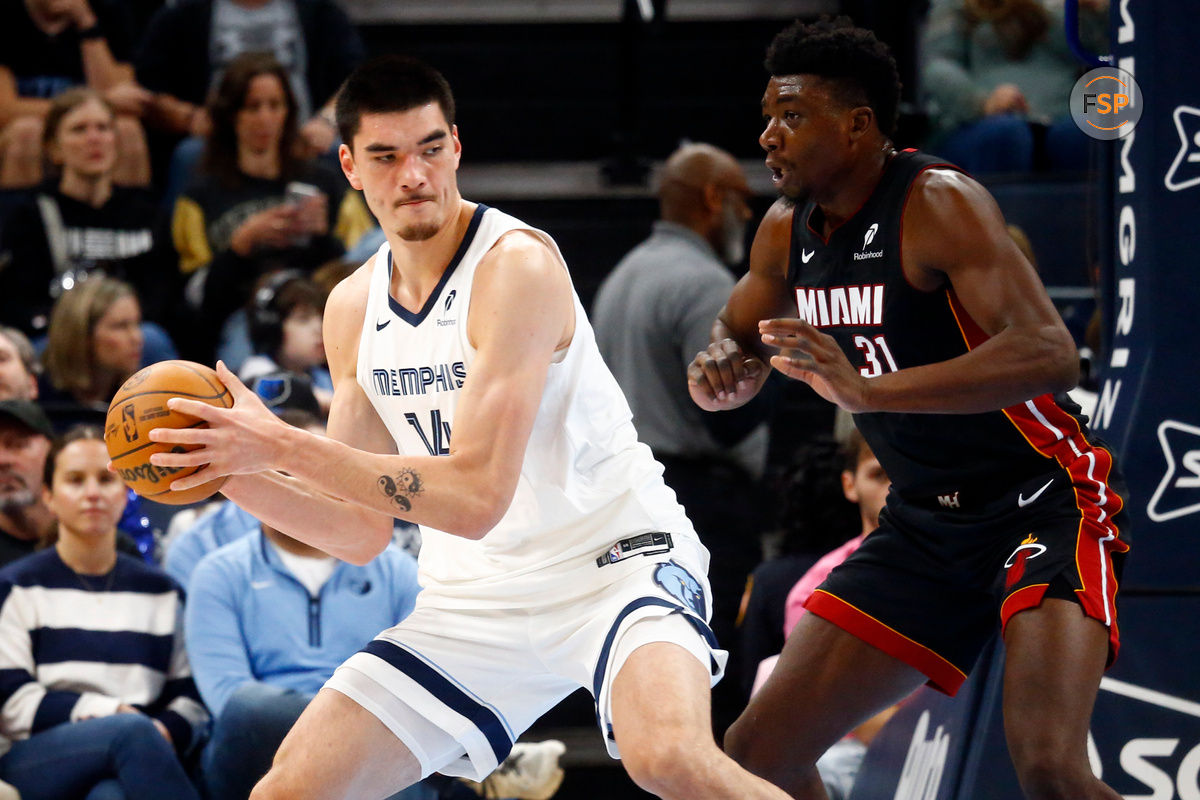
pixel 859 66
pixel 386 84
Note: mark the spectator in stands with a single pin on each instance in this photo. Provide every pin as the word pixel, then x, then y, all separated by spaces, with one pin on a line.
pixel 96 694
pixel 94 344
pixel 285 317
pixel 19 367
pixel 47 46
pixel 255 207
pixel 652 314
pixel 25 435
pixel 189 44
pixel 997 75
pixel 83 222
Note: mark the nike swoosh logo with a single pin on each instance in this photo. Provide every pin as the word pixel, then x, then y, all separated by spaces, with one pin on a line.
pixel 1023 501
pixel 806 255
pixel 381 325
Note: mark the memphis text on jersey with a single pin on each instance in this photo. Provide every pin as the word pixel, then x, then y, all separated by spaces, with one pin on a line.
pixel 406 381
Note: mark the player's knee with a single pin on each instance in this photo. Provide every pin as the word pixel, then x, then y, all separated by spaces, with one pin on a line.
pixel 665 764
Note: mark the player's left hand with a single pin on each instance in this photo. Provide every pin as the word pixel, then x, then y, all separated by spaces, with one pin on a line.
pixel 808 355
pixel 240 440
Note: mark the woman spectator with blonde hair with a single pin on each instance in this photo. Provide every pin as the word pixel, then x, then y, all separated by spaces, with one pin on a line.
pixel 80 222
pixel 94 344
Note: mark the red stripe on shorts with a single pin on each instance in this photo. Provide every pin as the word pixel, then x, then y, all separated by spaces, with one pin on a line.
pixel 943 676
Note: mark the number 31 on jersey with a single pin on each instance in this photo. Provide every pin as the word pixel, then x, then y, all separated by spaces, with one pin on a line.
pixel 877 355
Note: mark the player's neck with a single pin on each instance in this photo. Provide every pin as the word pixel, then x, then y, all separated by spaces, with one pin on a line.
pixel 418 266
pixel 856 185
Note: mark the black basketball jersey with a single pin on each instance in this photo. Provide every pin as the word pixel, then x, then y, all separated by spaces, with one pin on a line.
pixel 853 288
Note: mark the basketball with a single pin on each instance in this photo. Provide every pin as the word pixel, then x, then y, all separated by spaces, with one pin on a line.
pixel 139 406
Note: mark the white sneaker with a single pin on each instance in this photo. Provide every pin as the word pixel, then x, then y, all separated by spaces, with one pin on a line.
pixel 530 772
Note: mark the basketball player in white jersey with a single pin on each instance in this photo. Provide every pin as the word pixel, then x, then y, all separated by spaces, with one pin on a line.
pixel 470 398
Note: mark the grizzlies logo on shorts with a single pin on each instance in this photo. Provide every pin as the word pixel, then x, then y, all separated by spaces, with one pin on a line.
pixel 680 584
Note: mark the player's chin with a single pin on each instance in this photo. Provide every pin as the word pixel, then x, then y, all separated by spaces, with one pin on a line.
pixel 793 193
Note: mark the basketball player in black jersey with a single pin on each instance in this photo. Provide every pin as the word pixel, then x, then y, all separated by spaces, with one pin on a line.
pixel 887 282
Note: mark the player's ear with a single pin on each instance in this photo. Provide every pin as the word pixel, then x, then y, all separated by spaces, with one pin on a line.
pixel 457 143
pixel 346 160
pixel 860 121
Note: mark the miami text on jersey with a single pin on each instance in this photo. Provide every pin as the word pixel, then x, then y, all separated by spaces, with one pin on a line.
pixel 841 305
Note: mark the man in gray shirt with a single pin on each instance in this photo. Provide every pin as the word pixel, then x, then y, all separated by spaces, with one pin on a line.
pixel 653 313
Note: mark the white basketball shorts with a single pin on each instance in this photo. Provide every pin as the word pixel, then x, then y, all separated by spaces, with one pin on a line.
pixel 458 687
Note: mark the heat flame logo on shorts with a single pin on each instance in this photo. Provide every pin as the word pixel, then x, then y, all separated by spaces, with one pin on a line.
pixel 1027 549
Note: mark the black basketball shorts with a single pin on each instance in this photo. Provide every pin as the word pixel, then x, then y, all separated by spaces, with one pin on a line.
pixel 927 586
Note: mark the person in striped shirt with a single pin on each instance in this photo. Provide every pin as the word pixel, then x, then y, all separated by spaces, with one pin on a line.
pixel 96 696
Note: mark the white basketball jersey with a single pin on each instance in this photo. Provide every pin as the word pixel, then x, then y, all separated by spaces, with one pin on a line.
pixel 586 482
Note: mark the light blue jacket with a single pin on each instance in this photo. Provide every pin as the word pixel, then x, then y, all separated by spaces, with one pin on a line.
pixel 249 619
pixel 213 529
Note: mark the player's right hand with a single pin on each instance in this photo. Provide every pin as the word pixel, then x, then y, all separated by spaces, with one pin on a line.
pixel 723 377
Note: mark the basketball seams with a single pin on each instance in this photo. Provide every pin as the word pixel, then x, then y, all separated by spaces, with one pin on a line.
pixel 120 400
pixel 222 388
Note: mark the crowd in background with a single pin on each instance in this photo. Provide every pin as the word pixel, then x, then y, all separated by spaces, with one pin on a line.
pixel 171 190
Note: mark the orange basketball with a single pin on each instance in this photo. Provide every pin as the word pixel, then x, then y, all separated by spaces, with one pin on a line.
pixel 139 406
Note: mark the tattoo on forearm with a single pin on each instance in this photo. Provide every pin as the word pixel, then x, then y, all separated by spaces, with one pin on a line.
pixel 402 487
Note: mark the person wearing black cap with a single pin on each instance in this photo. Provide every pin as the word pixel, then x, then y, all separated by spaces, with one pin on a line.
pixel 25 435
